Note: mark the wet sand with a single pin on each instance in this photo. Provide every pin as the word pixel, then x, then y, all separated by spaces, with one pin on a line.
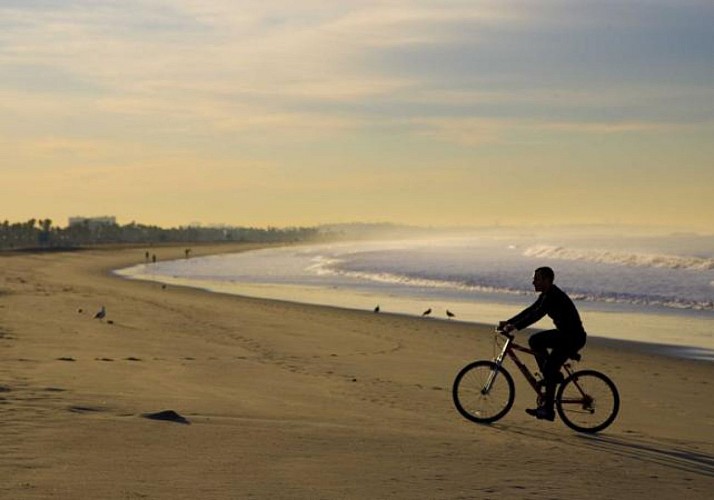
pixel 295 401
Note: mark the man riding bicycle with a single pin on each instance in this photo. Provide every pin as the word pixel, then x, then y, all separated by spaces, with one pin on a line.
pixel 567 339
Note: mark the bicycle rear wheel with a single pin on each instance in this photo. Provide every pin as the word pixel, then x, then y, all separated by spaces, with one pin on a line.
pixel 587 401
pixel 483 392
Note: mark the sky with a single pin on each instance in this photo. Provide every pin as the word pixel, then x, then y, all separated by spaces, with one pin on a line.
pixel 302 112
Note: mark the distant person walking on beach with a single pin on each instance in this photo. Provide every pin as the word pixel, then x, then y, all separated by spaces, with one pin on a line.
pixel 567 339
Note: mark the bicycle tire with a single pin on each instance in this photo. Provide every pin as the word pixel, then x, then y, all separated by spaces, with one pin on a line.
pixel 469 398
pixel 587 401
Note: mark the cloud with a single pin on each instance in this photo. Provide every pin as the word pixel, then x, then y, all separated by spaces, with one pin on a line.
pixel 417 23
pixel 473 132
pixel 140 94
pixel 56 146
pixel 610 127
pixel 288 61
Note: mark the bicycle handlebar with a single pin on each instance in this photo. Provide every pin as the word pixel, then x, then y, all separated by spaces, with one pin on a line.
pixel 505 333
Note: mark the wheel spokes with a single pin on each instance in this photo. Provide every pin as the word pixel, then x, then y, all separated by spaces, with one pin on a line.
pixel 588 402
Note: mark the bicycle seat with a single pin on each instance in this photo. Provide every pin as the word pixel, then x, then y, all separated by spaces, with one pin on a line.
pixel 575 356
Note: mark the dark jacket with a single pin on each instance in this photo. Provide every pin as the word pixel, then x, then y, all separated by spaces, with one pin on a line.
pixel 557 305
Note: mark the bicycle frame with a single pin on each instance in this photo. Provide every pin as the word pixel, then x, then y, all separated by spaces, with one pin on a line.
pixel 509 349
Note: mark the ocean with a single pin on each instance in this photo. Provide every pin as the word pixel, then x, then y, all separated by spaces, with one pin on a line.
pixel 658 290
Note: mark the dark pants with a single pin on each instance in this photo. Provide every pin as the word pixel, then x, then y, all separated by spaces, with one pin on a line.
pixel 562 345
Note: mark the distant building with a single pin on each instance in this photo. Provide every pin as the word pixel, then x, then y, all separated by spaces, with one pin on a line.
pixel 92 222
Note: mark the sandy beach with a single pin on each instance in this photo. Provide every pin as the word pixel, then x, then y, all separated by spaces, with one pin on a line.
pixel 296 401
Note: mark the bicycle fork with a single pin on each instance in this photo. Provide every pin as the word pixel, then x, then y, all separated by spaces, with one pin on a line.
pixel 491 378
pixel 499 361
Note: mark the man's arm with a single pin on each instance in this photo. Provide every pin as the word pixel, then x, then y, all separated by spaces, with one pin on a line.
pixel 529 315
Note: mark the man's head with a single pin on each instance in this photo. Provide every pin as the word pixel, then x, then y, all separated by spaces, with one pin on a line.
pixel 543 278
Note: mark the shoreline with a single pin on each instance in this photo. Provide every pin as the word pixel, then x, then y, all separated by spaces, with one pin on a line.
pixel 347 299
pixel 684 352
pixel 299 401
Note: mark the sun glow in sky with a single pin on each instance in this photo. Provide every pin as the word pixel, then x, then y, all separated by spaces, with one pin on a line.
pixel 285 112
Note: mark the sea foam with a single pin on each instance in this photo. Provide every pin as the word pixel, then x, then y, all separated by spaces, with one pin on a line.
pixel 620 258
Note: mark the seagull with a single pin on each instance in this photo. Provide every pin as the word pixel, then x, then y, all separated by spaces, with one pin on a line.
pixel 376 309
pixel 427 312
pixel 450 314
pixel 101 313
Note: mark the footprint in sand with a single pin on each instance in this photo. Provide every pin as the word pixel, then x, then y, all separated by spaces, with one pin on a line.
pixel 84 409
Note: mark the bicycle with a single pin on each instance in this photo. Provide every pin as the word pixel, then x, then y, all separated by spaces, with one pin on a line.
pixel 484 392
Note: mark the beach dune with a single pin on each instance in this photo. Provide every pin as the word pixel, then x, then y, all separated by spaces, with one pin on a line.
pixel 285 400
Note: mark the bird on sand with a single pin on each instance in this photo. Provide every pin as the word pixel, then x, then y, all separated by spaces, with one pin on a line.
pixel 427 312
pixel 376 309
pixel 450 314
pixel 101 313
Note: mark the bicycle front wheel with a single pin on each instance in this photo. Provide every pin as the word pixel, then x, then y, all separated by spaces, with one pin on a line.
pixel 483 392
pixel 587 401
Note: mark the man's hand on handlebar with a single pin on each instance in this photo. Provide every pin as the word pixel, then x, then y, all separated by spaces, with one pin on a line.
pixel 505 327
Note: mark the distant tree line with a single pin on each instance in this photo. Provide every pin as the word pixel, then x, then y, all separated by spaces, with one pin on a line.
pixel 41 233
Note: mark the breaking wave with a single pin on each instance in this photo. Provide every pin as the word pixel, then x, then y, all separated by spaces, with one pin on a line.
pixel 620 258
pixel 336 267
pixel 331 267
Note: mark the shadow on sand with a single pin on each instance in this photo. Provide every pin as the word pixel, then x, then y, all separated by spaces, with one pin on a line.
pixel 664 453
pixel 658 453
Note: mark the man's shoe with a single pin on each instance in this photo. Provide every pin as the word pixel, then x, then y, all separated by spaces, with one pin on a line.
pixel 542 413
